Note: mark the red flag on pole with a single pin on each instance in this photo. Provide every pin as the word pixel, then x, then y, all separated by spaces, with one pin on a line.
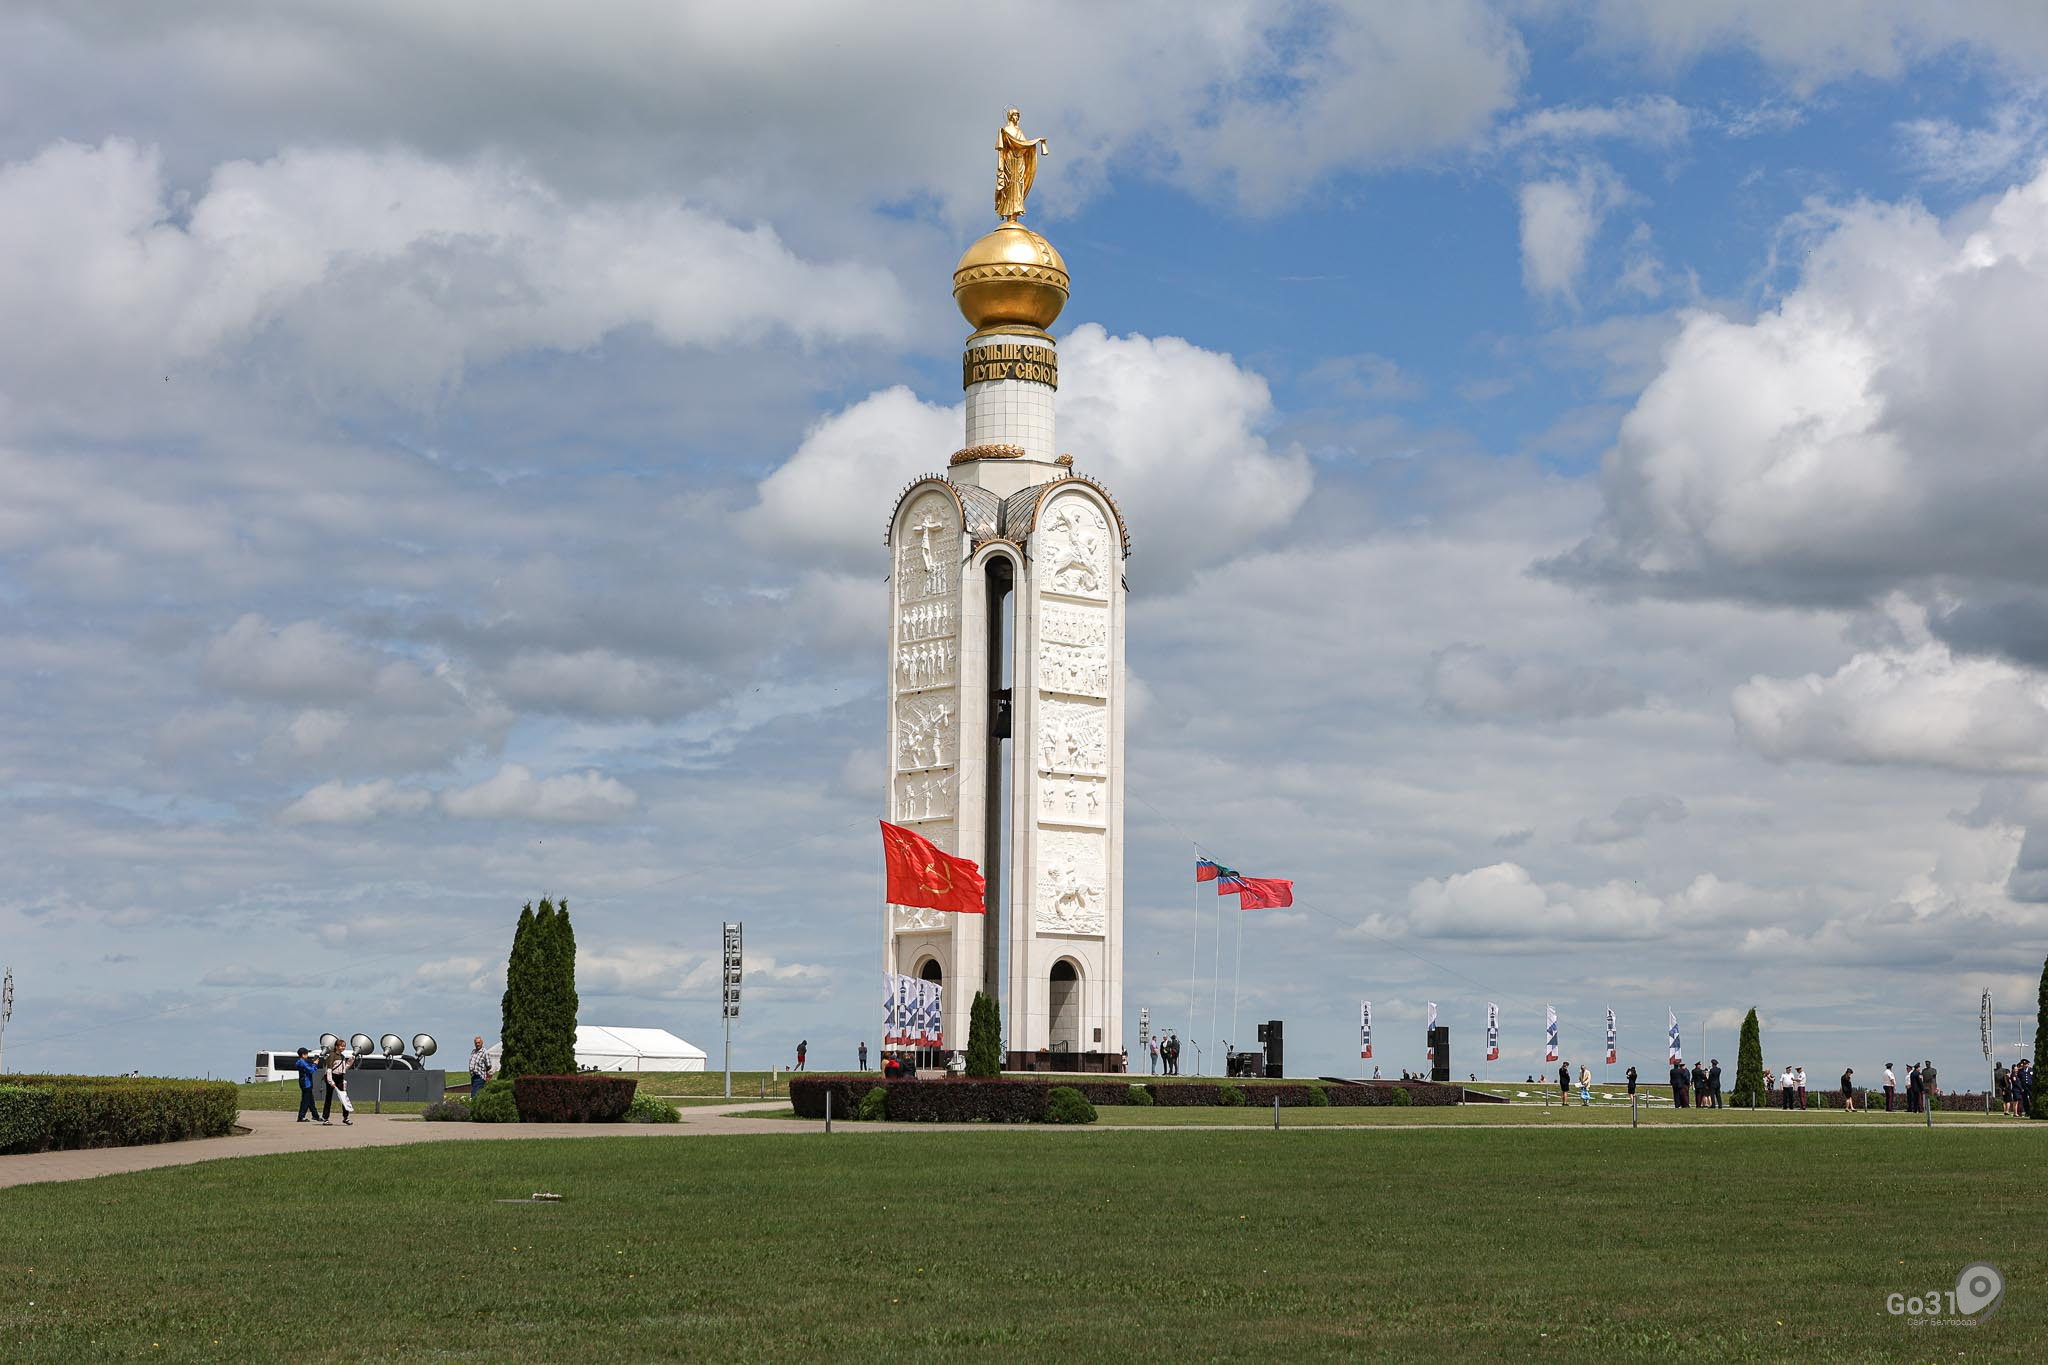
pixel 922 874
pixel 1264 893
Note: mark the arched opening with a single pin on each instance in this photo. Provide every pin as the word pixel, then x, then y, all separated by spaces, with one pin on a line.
pixel 931 971
pixel 1063 1007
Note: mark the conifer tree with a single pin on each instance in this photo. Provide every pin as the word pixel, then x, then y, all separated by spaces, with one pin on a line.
pixel 515 1030
pixel 558 1050
pixel 2037 1107
pixel 1749 1066
pixel 985 1036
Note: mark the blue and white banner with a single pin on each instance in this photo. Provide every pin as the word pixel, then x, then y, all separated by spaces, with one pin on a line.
pixel 1492 1032
pixel 891 1024
pixel 1610 1037
pixel 1429 1035
pixel 1677 1053
pixel 1365 1029
pixel 1549 1034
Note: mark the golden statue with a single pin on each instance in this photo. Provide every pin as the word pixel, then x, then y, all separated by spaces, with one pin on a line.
pixel 1016 167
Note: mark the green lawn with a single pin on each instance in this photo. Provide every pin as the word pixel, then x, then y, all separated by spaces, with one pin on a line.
pixel 1701 1243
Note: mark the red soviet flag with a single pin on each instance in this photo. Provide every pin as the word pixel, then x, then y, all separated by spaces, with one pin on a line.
pixel 1264 893
pixel 921 874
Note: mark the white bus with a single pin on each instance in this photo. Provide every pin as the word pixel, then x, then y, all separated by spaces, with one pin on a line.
pixel 282 1065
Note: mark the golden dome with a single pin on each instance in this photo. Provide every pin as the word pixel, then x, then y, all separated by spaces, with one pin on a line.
pixel 1011 278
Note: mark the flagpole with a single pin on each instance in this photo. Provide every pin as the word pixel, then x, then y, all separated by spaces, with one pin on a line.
pixel 1216 966
pixel 1237 970
pixel 1195 950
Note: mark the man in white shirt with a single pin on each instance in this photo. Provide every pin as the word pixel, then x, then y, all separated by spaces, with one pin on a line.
pixel 1800 1073
pixel 1891 1087
pixel 1786 1084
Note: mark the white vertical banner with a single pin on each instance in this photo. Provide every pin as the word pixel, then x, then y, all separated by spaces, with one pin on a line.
pixel 1610 1037
pixel 938 1014
pixel 1549 1033
pixel 1677 1052
pixel 1365 1030
pixel 1429 1035
pixel 890 1018
pixel 1492 1032
pixel 906 1009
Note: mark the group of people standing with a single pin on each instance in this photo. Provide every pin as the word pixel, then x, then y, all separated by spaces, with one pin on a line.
pixel 2016 1087
pixel 1165 1051
pixel 1700 1087
pixel 333 1064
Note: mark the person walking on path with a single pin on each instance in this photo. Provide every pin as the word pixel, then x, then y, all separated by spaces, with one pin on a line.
pixel 1152 1048
pixel 1800 1076
pixel 336 1064
pixel 1564 1082
pixel 1585 1087
pixel 1914 1094
pixel 803 1046
pixel 863 1054
pixel 1891 1087
pixel 1678 1083
pixel 479 1065
pixel 308 1111
pixel 1714 1081
pixel 1849 1089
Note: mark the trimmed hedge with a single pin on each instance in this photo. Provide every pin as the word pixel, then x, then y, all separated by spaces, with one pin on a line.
pixel 807 1094
pixel 1383 1093
pixel 24 1118
pixel 970 1101
pixel 573 1099
pixel 121 1111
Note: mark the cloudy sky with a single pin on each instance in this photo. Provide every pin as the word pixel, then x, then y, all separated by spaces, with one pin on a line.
pixel 1584 463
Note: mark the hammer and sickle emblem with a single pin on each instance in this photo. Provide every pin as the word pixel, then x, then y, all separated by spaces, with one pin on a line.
pixel 937 879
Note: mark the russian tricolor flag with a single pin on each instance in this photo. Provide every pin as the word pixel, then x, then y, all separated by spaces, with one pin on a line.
pixel 1205 871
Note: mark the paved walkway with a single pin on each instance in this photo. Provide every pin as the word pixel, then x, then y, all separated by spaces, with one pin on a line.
pixel 278 1130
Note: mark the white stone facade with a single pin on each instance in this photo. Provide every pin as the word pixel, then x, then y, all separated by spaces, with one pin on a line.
pixel 1062 820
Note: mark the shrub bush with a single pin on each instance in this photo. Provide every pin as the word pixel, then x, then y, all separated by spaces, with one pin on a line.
pixel 984 1037
pixel 573 1099
pixel 1230 1096
pixel 494 1103
pixel 447 1111
pixel 131 1111
pixel 24 1118
pixel 1318 1098
pixel 875 1104
pixel 648 1109
pixel 1384 1092
pixel 969 1101
pixel 1141 1095
pixel 1065 1104
pixel 1402 1098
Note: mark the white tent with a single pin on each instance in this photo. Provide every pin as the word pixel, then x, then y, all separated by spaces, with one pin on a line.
pixel 628 1049
pixel 635 1049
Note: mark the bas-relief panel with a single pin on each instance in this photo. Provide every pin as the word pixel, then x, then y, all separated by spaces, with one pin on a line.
pixel 924 733
pixel 1073 736
pixel 926 621
pixel 1073 800
pixel 926 663
pixel 928 548
pixel 924 796
pixel 1073 549
pixel 1072 888
pixel 1074 670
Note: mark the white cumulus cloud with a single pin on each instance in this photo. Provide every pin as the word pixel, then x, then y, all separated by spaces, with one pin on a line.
pixel 514 793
